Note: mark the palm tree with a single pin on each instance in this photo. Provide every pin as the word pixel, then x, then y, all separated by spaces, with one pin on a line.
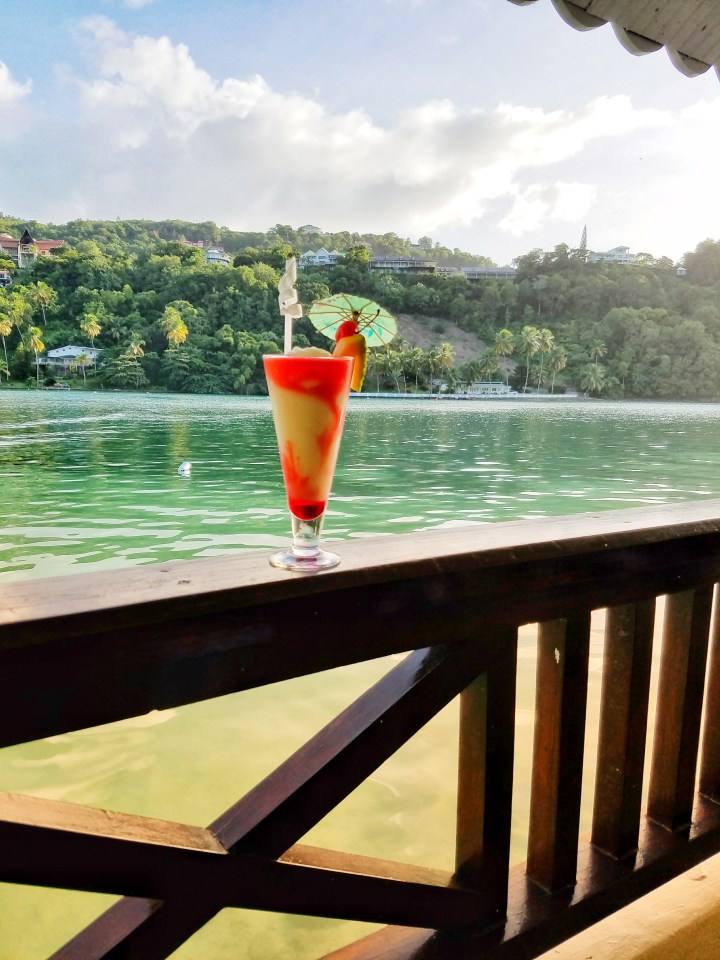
pixel 593 378
pixel 376 363
pixel 416 363
pixel 430 364
pixel 597 350
pixel 546 339
pixel 173 326
pixel 488 364
pixel 82 360
pixel 557 361
pixel 19 311
pixel 504 346
pixel 117 328
pixel 90 326
pixel 135 347
pixel 529 346
pixel 395 367
pixel 36 345
pixel 444 358
pixel 5 331
pixel 43 296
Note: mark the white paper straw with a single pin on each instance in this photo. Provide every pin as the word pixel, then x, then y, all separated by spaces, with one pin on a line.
pixel 290 306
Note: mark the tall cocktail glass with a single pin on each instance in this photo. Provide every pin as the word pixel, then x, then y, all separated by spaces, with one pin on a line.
pixel 309 396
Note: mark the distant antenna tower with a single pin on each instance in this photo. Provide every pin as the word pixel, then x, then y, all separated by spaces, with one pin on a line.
pixel 583 239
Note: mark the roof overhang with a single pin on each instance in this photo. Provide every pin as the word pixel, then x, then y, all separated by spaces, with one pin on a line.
pixel 688 29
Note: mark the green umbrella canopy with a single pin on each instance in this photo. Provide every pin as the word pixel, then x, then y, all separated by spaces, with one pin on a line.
pixel 374 322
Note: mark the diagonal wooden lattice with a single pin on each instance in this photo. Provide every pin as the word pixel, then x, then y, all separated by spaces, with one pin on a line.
pixel 188 873
pixel 82 651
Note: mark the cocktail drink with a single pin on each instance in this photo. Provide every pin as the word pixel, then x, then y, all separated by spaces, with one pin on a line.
pixel 309 394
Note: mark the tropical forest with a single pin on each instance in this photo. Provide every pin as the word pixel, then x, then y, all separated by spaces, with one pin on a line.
pixel 164 318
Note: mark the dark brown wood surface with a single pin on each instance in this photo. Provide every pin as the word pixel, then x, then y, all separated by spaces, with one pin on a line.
pixel 106 646
pixel 623 727
pixel 537 921
pixel 710 762
pixel 560 707
pixel 485 774
pixel 84 650
pixel 679 707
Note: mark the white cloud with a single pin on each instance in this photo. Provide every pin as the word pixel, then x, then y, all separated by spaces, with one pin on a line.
pixel 158 136
pixel 539 203
pixel 15 117
pixel 10 90
pixel 548 137
pixel 573 200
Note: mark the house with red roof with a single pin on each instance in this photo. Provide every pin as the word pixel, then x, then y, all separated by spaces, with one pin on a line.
pixel 25 251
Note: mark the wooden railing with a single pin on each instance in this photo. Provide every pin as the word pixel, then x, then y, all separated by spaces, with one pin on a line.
pixel 85 650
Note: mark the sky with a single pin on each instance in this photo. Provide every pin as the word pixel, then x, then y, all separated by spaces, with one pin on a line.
pixel 488 126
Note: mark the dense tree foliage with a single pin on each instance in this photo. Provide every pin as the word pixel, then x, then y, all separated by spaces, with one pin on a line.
pixel 166 318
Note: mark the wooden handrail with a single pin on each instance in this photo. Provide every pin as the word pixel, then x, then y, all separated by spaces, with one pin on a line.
pixel 83 650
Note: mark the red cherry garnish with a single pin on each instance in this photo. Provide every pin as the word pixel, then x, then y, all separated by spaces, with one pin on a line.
pixel 346 329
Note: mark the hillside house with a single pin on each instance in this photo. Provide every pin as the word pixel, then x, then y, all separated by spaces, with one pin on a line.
pixel 25 251
pixel 61 359
pixel 321 258
pixel 616 255
pixel 403 265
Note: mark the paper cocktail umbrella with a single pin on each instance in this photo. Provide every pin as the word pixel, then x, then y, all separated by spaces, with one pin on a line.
pixel 374 322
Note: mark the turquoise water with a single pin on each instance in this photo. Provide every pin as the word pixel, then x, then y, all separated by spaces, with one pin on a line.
pixel 90 482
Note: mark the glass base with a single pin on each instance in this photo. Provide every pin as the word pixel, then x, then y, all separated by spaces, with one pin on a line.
pixel 304 554
pixel 298 563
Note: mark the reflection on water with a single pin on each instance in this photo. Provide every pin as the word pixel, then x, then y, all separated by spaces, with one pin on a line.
pixel 91 481
pixel 93 478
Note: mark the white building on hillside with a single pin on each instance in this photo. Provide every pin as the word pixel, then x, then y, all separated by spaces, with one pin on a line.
pixel 322 258
pixel 212 254
pixel 487 388
pixel 616 255
pixel 403 265
pixel 489 273
pixel 25 251
pixel 62 359
pixel 217 255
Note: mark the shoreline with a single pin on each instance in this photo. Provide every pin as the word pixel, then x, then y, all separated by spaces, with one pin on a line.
pixel 467 396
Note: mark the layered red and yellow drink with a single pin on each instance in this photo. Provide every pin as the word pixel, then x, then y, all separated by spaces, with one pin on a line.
pixel 309 395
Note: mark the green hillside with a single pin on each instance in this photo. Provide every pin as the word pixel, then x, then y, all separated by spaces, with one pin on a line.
pixel 167 319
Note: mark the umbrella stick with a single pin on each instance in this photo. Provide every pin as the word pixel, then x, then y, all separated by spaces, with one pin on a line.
pixel 288 333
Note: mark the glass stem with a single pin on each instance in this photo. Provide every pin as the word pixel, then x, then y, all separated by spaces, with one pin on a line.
pixel 306 536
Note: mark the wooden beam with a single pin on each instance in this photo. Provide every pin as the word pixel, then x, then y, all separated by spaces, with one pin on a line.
pixel 80 651
pixel 710 766
pixel 679 707
pixel 60 845
pixel 283 807
pixel 487 744
pixel 538 920
pixel 296 796
pixel 623 728
pixel 560 707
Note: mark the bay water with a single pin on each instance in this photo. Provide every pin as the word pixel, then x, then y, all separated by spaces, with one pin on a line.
pixel 90 481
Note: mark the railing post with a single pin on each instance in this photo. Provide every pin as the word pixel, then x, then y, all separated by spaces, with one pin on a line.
pixel 560 709
pixel 485 775
pixel 679 707
pixel 623 728
pixel 710 763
